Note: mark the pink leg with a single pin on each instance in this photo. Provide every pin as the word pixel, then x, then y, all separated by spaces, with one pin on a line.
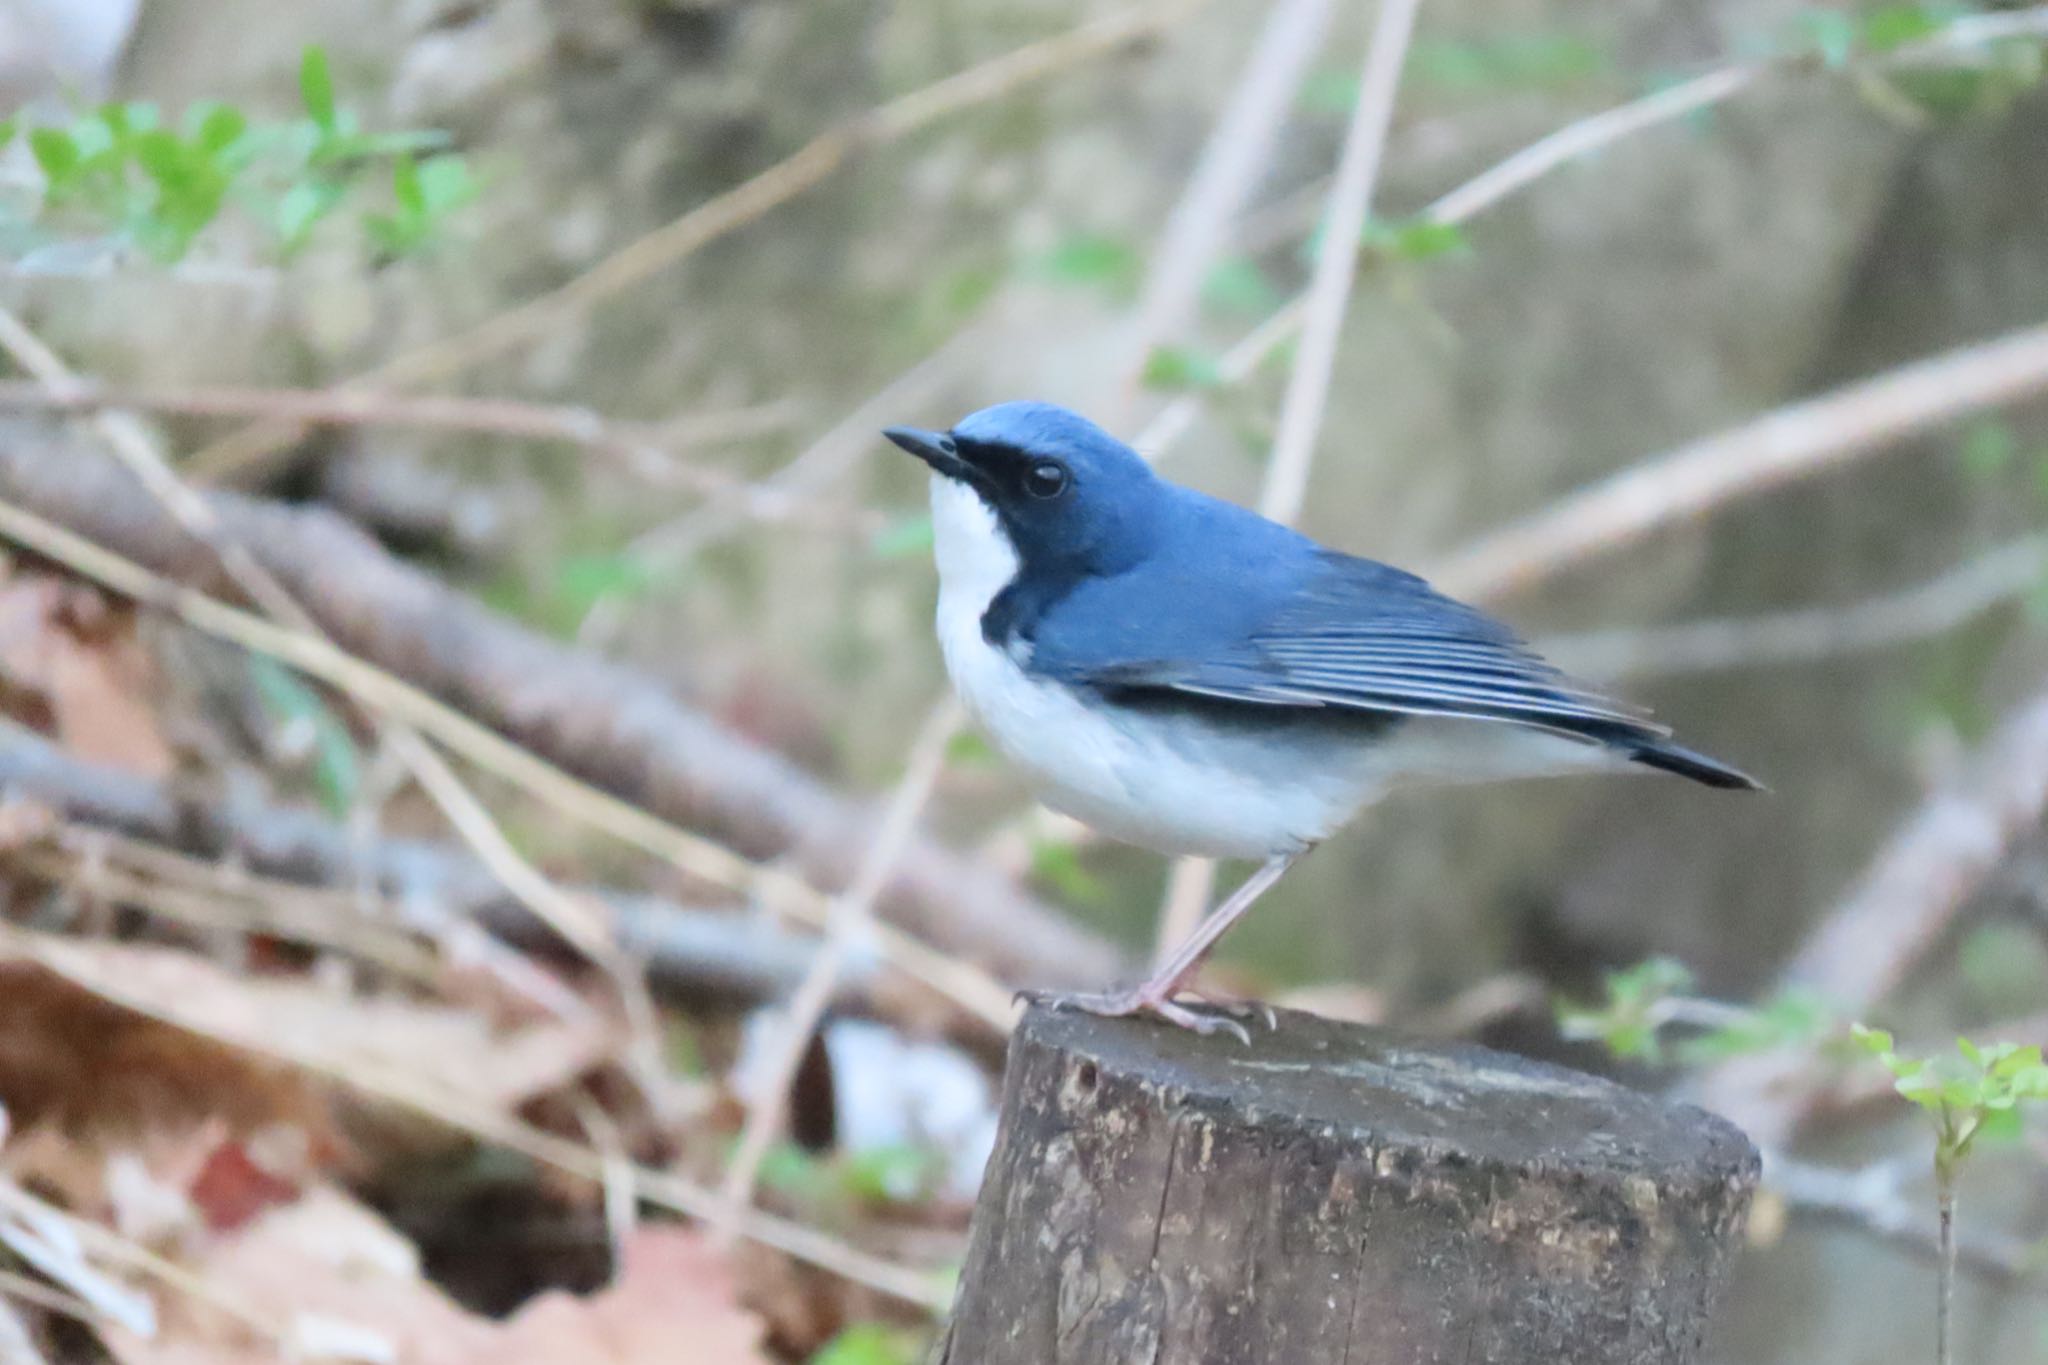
pixel 1156 995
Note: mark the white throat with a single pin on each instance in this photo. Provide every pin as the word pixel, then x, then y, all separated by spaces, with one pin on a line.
pixel 973 553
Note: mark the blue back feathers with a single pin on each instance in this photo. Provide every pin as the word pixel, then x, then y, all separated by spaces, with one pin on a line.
pixel 1129 583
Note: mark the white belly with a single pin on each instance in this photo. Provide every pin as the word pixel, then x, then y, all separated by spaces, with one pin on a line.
pixel 1157 781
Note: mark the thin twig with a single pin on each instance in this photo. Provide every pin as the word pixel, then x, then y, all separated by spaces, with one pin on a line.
pixel 1329 290
pixel 646 450
pixel 1574 142
pixel 850 918
pixel 485 748
pixel 1328 300
pixel 1811 634
pixel 1233 160
pixel 727 212
pixel 666 547
pixel 304 877
pixel 125 436
pixel 1793 442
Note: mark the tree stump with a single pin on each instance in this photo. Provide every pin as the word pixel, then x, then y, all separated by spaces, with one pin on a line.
pixel 1335 1195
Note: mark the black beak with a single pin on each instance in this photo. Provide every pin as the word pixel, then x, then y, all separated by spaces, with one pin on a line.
pixel 935 448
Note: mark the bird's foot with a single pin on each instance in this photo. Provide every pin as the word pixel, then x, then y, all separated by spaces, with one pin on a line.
pixel 1144 1000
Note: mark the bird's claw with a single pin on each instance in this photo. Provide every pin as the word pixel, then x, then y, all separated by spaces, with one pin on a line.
pixel 1133 1003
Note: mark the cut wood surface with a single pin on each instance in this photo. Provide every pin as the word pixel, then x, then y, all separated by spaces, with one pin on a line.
pixel 1337 1194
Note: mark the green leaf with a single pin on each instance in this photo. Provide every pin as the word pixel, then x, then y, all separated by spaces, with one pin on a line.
pixel 1533 61
pixel 1970 1051
pixel 220 127
pixel 911 535
pixel 8 128
pixel 1896 25
pixel 445 183
pixel 1830 34
pixel 1989 448
pixel 405 186
pixel 55 152
pixel 1329 91
pixel 969 749
pixel 2016 1061
pixel 1238 285
pixel 316 89
pixel 1417 239
pixel 1179 367
pixel 301 208
pixel 893 1174
pixel 1092 260
pixel 1058 864
pixel 866 1343
pixel 2002 1126
pixel 582 580
pixel 1875 1041
pixel 337 771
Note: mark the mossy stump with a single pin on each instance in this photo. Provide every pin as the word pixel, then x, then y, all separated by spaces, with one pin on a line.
pixel 1335 1195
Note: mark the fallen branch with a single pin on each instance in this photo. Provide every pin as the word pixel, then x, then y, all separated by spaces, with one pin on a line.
pixel 618 731
pixel 688 950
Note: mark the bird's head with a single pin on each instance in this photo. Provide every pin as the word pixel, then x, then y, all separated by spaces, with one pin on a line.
pixel 1062 491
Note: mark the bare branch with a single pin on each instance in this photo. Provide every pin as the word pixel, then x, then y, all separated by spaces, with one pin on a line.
pixel 1794 442
pixel 725 213
pixel 1232 161
pixel 1574 142
pixel 1329 290
pixel 476 678
pixel 645 450
pixel 1811 634
pixel 846 923
pixel 688 950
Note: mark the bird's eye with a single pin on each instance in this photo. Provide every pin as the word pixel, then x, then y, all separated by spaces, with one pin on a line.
pixel 1046 479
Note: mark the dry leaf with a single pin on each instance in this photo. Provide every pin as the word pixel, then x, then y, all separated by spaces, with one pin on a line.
pixel 74 665
pixel 333 1281
pixel 673 1301
pixel 329 1279
pixel 423 1048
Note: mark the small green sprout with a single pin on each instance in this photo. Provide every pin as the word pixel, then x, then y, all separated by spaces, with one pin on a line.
pixel 1646 1000
pixel 1978 1093
pixel 124 172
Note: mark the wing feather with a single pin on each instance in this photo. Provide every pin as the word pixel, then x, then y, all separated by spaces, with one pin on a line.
pixel 1361 635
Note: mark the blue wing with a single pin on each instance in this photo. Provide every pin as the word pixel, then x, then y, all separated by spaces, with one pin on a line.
pixel 1304 626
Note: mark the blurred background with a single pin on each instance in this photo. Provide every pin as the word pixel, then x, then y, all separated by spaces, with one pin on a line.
pixel 667 266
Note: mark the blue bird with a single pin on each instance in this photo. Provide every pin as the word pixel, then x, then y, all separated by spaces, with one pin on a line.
pixel 1183 674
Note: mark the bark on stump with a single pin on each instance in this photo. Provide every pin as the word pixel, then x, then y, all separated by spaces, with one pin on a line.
pixel 1335 1195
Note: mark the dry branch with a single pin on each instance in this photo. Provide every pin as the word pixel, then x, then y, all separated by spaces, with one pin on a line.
pixel 611 726
pixel 728 211
pixel 645 450
pixel 1793 442
pixel 1329 290
pixel 1806 635
pixel 688 950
